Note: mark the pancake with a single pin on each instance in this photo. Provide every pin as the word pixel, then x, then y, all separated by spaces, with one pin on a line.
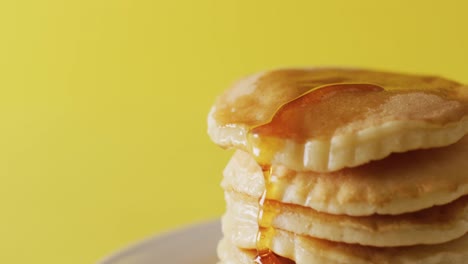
pixel 401 183
pixel 230 254
pixel 344 166
pixel 309 250
pixel 434 225
pixel 328 119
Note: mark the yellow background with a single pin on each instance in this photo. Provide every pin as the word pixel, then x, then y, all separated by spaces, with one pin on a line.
pixel 103 103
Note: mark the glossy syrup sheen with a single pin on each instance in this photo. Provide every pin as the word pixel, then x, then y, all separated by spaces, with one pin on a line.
pixel 305 116
pixel 303 104
pixel 266 215
pixel 287 123
pixel 254 103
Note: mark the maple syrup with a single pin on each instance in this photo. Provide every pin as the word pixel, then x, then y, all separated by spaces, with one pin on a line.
pixel 310 96
pixel 253 104
pixel 265 139
pixel 304 117
pixel 267 213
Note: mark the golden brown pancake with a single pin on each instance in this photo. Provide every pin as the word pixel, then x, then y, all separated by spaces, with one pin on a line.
pixel 230 254
pixel 400 183
pixel 434 225
pixel 344 166
pixel 308 250
pixel 327 119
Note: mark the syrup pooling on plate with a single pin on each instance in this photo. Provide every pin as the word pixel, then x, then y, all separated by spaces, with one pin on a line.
pixel 286 123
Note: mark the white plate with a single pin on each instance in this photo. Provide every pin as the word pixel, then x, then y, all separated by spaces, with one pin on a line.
pixel 191 245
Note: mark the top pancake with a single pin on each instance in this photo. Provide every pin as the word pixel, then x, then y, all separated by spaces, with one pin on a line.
pixel 326 119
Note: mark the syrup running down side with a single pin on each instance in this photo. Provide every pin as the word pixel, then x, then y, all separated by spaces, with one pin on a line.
pixel 305 117
pixel 288 122
pixel 268 111
pixel 266 215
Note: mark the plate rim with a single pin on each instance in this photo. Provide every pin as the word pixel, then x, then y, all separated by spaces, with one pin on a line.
pixel 134 246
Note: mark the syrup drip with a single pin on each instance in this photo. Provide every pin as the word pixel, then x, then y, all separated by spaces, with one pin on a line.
pixel 265 139
pixel 266 215
pixel 319 102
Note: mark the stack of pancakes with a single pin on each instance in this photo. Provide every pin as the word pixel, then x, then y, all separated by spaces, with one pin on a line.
pixel 344 166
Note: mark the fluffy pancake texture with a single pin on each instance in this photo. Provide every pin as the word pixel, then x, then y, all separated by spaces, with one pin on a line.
pixel 309 250
pixel 344 166
pixel 412 112
pixel 430 226
pixel 230 254
pixel 403 182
